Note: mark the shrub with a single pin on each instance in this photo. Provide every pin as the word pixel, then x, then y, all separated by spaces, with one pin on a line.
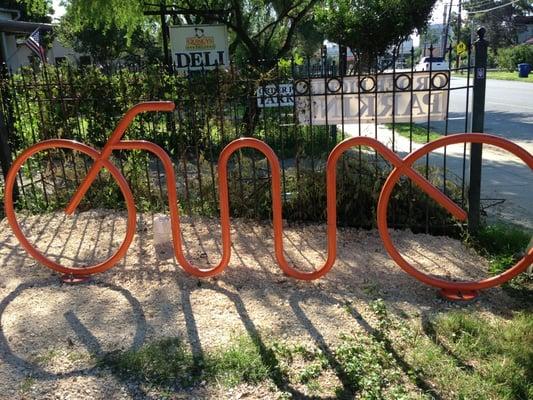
pixel 359 183
pixel 510 57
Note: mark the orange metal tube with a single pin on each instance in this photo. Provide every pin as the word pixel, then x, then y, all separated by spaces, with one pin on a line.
pixel 401 167
pixel 113 140
pixel 174 210
pixel 34 252
pixel 393 178
pixel 277 217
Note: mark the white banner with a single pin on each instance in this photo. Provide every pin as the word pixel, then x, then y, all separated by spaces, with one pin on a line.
pixel 275 96
pixel 369 98
pixel 197 47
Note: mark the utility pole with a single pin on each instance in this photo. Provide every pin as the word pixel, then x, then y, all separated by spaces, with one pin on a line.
pixel 443 34
pixel 447 28
pixel 458 33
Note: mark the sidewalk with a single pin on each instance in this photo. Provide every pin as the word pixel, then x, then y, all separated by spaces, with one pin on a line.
pixel 504 176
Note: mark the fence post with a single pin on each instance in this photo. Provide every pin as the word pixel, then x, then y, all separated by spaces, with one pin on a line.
pixel 5 148
pixel 478 121
pixel 164 30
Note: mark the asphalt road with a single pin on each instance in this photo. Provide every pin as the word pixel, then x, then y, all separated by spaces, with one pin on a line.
pixel 508 110
pixel 508 113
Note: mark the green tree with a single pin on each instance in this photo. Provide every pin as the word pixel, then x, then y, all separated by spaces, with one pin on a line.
pixel 372 26
pixel 501 30
pixel 508 58
pixel 107 44
pixel 308 39
pixel 260 30
pixel 30 10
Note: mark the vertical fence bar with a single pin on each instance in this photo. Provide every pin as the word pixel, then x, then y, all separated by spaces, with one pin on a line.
pixel 5 148
pixel 478 119
pixel 14 108
pixel 164 29
pixel 467 121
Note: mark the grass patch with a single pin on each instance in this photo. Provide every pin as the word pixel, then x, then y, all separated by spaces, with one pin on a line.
pixel 168 363
pixel 240 362
pixel 26 384
pixel 301 365
pixel 370 369
pixel 418 132
pixel 46 357
pixel 473 357
pixel 503 246
pixel 508 76
pixel 455 355
pixel 499 75
pixel 500 239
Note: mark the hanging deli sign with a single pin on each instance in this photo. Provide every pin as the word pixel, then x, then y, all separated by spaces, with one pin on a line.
pixel 197 47
pixel 379 98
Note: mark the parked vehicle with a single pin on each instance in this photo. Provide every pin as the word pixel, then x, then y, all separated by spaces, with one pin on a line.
pixel 433 63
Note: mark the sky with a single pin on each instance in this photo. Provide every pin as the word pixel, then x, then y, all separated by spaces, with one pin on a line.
pixel 58 9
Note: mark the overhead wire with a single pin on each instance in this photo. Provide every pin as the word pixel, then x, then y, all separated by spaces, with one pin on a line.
pixel 482 11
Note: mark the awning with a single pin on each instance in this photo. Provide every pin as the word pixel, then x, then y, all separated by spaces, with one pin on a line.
pixel 10 26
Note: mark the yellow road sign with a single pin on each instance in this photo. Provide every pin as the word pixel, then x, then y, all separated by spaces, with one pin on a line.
pixel 460 48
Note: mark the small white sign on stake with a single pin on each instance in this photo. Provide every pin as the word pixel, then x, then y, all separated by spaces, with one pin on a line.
pixel 198 47
pixel 275 95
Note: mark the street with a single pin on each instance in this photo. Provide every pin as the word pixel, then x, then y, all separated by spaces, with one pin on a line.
pixel 508 110
pixel 508 113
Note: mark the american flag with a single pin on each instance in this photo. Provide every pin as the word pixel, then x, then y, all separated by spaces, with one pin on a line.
pixel 34 43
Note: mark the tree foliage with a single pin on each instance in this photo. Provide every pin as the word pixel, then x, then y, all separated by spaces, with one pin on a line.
pixel 372 26
pixel 269 30
pixel 501 29
pixel 30 10
pixel 259 29
pixel 508 58
pixel 105 14
pixel 110 43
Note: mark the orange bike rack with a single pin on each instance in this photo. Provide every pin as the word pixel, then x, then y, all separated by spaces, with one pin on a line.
pixel 449 289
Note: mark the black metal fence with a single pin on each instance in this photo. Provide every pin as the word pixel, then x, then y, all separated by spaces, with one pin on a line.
pixel 301 108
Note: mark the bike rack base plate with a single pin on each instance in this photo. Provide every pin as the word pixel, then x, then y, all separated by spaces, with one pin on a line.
pixel 458 295
pixel 74 279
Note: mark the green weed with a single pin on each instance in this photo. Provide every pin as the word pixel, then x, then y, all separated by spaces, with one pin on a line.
pixel 27 384
pixel 163 362
pixel 370 369
pixel 240 362
pixel 500 239
pixel 46 357
pixel 419 134
pixel 457 355
pixel 168 363
pixel 474 357
pixel 503 246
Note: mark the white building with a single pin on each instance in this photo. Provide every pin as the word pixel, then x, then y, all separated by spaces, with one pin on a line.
pixel 13 34
pixel 524 28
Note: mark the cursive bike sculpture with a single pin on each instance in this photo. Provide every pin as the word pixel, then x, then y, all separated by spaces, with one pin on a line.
pixel 452 290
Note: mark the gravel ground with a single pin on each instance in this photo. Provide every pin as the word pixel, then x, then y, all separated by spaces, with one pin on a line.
pixel 51 333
